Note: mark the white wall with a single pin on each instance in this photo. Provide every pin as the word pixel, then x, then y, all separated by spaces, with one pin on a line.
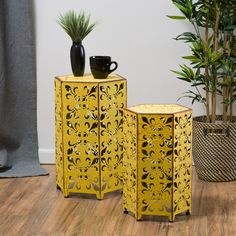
pixel 137 34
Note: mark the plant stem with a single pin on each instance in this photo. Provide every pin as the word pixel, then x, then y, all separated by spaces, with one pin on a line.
pixel 231 82
pixel 207 95
pixel 214 78
pixel 232 13
pixel 206 74
pixel 225 88
pixel 231 104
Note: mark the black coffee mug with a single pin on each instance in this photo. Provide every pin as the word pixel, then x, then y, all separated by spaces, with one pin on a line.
pixel 101 66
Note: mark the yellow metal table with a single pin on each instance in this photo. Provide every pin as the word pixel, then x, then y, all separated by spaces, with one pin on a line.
pixel 157 160
pixel 89 133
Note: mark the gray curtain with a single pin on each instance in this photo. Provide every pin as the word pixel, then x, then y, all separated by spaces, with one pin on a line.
pixel 18 126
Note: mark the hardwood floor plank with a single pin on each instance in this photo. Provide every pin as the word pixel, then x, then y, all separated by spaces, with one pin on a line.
pixel 33 206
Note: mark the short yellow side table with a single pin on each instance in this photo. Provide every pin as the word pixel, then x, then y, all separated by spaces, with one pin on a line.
pixel 157 160
pixel 89 133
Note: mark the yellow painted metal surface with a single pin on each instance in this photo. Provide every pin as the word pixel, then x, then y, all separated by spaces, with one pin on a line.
pixel 157 175
pixel 182 168
pixel 130 163
pixel 89 131
pixel 58 135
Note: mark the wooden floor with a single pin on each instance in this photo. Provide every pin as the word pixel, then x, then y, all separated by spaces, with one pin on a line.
pixel 33 206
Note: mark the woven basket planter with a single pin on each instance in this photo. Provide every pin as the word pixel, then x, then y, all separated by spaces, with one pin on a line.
pixel 214 150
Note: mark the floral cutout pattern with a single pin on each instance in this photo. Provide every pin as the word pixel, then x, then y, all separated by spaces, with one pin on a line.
pixel 81 142
pixel 92 140
pixel 155 169
pixel 112 98
pixel 157 163
pixel 58 135
pixel 130 162
pixel 182 189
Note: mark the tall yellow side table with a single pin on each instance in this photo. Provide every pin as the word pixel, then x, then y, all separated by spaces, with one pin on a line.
pixel 89 133
pixel 157 160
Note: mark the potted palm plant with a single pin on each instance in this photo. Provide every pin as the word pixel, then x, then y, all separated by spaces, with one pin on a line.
pixel 211 72
pixel 77 26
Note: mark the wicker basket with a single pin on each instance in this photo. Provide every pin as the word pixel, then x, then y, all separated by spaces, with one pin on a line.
pixel 214 150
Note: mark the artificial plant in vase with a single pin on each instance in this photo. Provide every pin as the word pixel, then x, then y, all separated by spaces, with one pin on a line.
pixel 77 26
pixel 211 72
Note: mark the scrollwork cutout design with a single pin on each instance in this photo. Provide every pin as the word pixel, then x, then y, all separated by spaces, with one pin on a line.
pixel 130 162
pixel 156 149
pixel 89 119
pixel 58 129
pixel 112 101
pixel 81 140
pixel 182 162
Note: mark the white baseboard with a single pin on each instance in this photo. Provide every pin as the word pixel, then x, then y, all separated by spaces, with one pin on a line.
pixel 47 156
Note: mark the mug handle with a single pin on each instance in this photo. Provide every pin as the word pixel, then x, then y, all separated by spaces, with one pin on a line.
pixel 116 65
